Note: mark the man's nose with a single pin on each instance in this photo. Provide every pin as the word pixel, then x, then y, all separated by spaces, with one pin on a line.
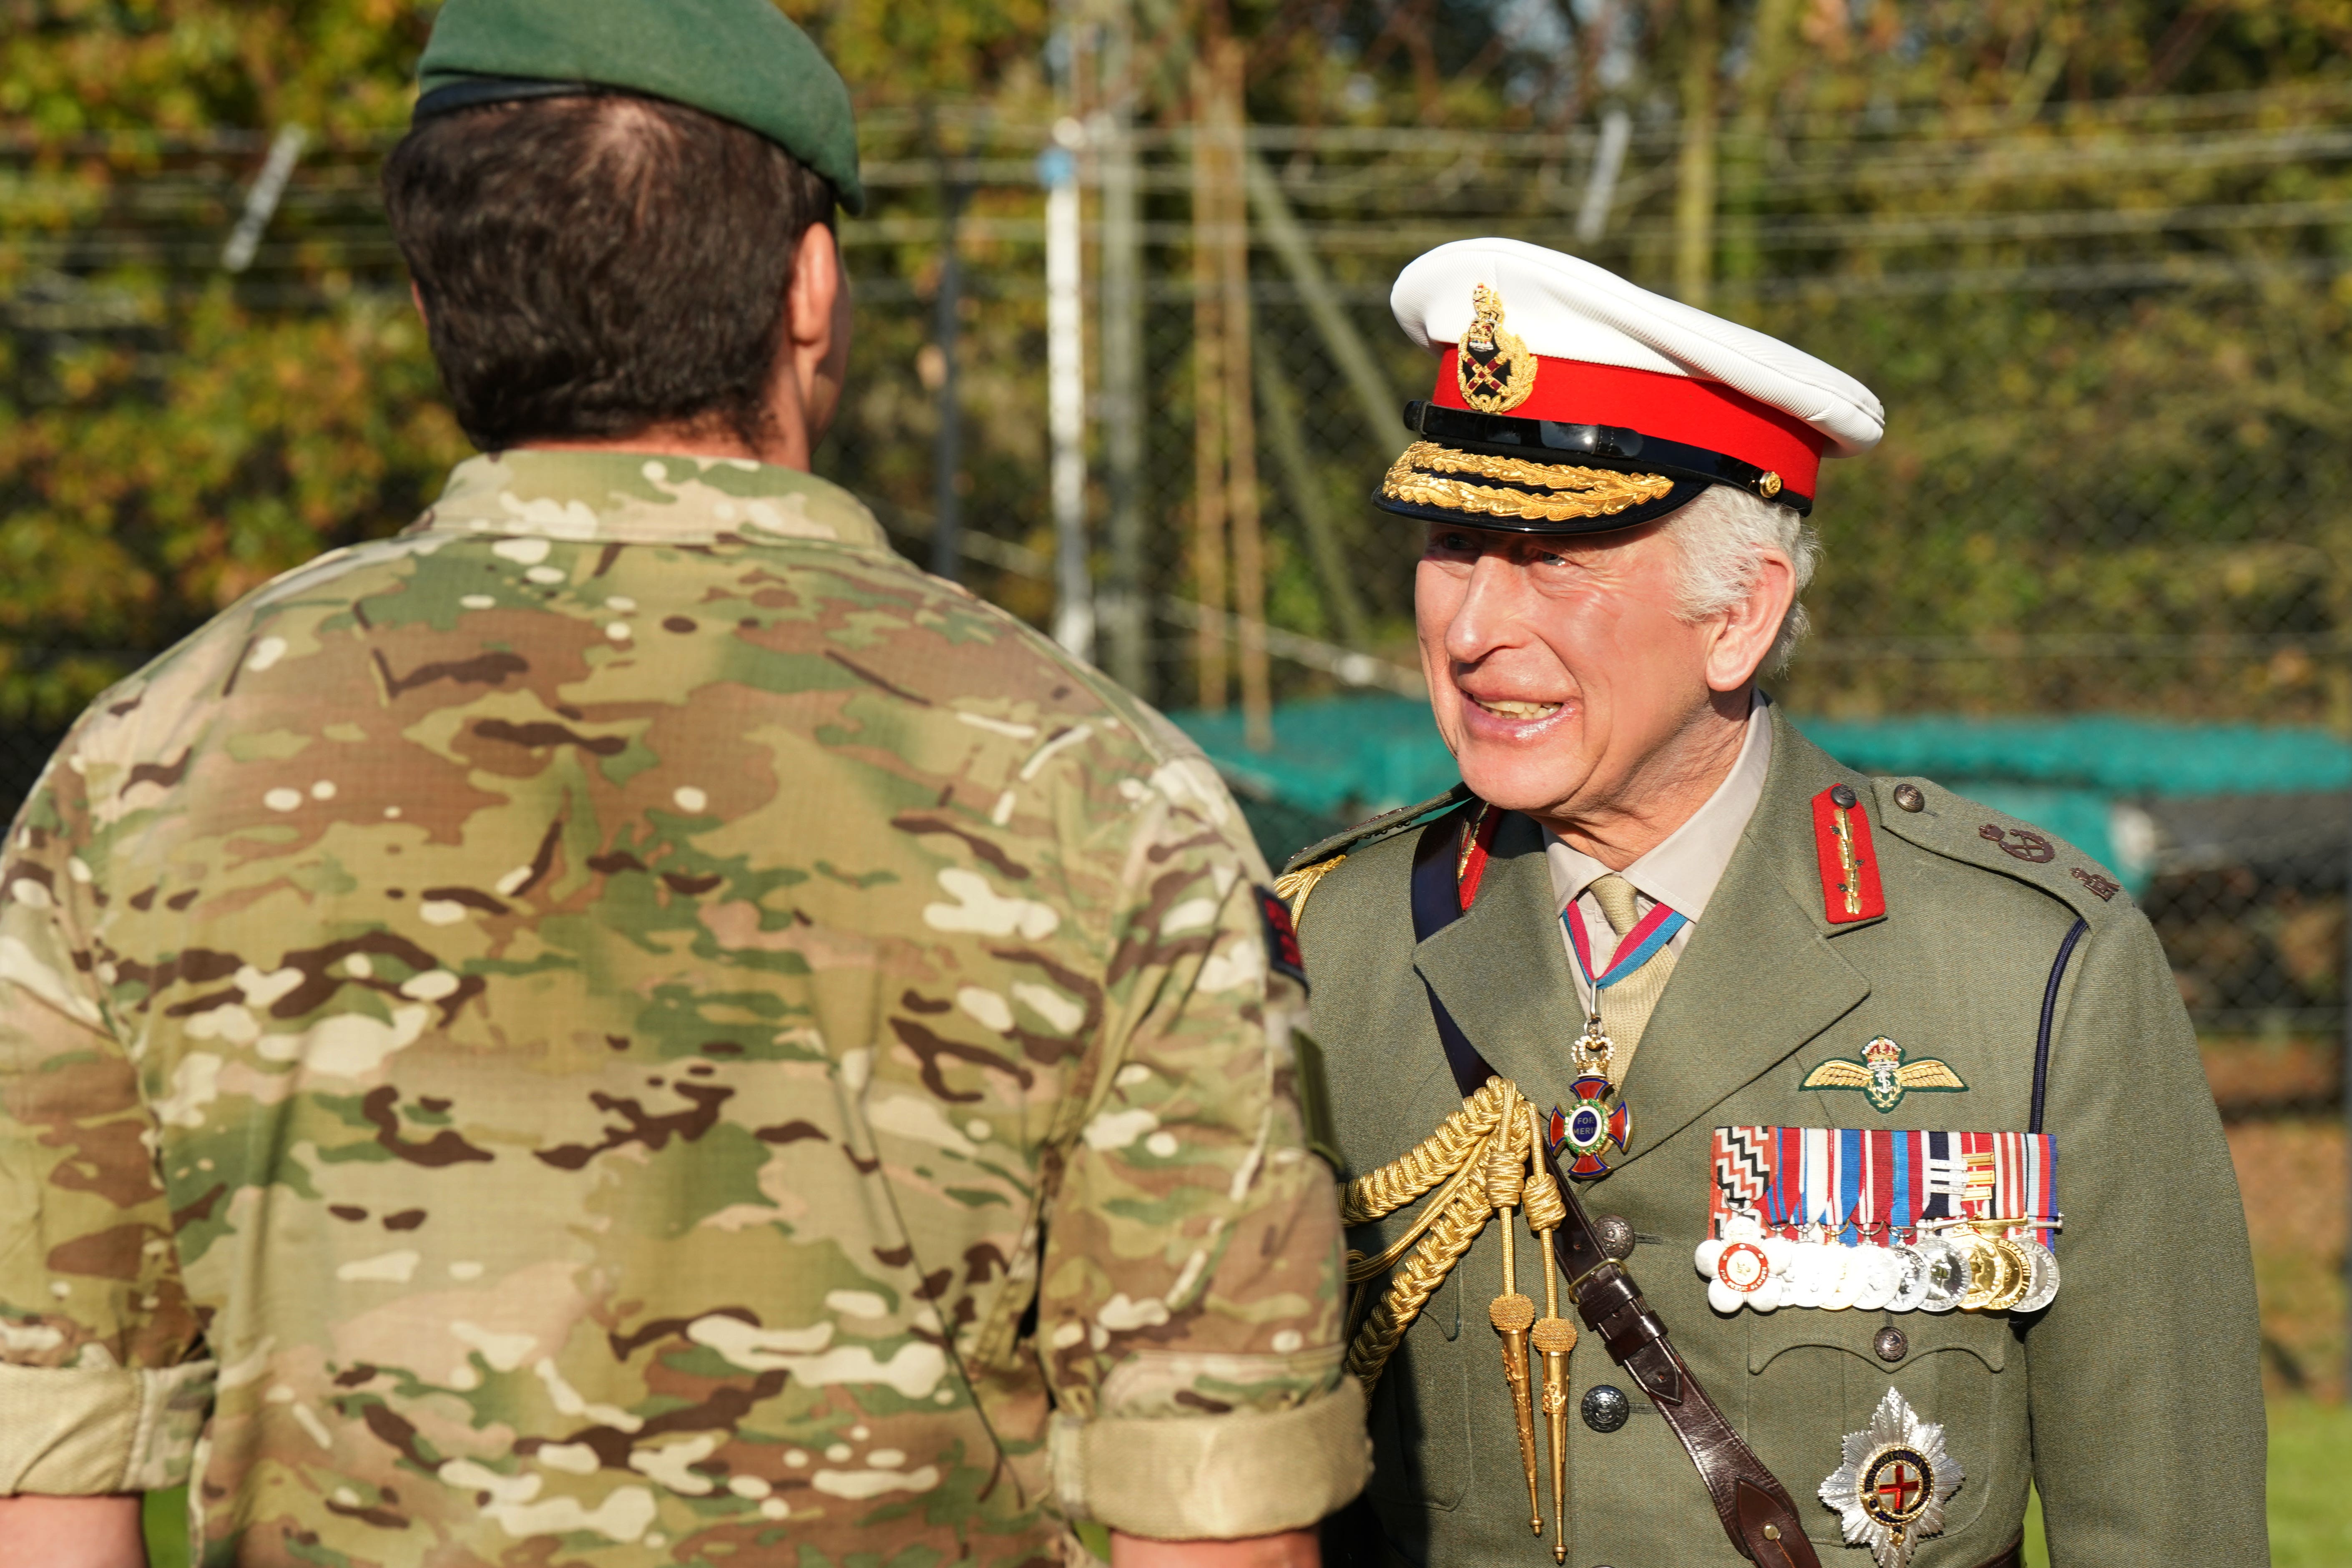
pixel 1489 609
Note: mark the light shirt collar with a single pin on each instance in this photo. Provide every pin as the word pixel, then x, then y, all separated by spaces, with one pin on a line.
pixel 1683 868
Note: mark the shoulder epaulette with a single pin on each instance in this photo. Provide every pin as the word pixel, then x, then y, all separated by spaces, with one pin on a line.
pixel 1312 864
pixel 1388 825
pixel 1958 828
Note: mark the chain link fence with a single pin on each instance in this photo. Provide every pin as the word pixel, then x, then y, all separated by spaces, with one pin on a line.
pixel 2118 478
pixel 2113 342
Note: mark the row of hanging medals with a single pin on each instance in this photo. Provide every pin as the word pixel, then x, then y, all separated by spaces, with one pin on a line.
pixel 1486 1155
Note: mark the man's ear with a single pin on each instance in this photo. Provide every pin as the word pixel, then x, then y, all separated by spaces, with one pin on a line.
pixel 814 294
pixel 812 360
pixel 1744 637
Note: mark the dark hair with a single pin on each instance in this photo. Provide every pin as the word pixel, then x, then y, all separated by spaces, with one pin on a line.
pixel 595 264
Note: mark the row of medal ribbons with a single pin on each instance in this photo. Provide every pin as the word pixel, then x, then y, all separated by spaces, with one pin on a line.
pixel 1882 1220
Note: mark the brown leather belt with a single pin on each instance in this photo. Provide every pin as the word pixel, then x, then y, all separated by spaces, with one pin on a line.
pixel 1754 1506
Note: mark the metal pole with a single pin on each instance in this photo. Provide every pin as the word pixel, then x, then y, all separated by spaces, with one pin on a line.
pixel 1208 407
pixel 946 449
pixel 1286 440
pixel 1227 58
pixel 1607 162
pixel 261 203
pixel 1376 399
pixel 1694 187
pixel 1125 626
pixel 1066 378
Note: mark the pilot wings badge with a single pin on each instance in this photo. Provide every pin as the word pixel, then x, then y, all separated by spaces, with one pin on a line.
pixel 1884 1076
pixel 1492 367
pixel 1892 1488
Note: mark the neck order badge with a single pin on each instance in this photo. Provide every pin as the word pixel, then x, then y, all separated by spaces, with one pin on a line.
pixel 1583 1131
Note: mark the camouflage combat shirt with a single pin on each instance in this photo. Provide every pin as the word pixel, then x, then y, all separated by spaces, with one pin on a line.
pixel 628 1024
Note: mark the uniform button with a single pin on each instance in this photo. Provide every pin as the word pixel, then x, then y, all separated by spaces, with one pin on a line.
pixel 1891 1345
pixel 1606 1409
pixel 1908 797
pixel 1615 1236
pixel 1842 797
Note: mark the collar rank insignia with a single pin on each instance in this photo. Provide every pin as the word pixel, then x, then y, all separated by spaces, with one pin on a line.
pixel 1494 368
pixel 1850 885
pixel 1587 1125
pixel 1884 1076
pixel 1892 1488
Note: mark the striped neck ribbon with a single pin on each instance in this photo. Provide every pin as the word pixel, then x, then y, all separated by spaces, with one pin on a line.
pixel 1637 947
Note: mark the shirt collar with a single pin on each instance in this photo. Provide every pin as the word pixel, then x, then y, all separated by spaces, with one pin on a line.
pixel 1683 870
pixel 639 497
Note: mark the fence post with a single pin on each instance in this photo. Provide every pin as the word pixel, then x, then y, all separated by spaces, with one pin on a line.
pixel 261 203
pixel 1066 395
pixel 1121 610
pixel 1227 56
pixel 1293 457
pixel 1208 404
pixel 947 445
pixel 1695 192
pixel 1374 395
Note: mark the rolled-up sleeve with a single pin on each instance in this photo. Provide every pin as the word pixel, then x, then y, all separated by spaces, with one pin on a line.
pixel 103 1387
pixel 1190 1307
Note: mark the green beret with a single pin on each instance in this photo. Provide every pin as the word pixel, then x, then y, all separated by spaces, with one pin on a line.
pixel 740 59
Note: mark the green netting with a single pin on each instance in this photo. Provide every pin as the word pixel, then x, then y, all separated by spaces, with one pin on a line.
pixel 2115 755
pixel 1338 760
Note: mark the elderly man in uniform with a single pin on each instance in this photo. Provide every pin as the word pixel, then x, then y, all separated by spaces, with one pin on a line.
pixel 626 1024
pixel 1821 1161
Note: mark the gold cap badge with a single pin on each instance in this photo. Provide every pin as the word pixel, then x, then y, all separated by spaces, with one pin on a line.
pixel 1491 366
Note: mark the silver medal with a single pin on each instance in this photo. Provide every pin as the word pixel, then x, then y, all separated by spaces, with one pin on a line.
pixel 1809 1276
pixel 1880 1275
pixel 1948 1274
pixel 2044 1286
pixel 1846 1285
pixel 1910 1282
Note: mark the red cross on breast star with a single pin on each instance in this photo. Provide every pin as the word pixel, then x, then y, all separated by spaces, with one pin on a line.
pixel 1897 1485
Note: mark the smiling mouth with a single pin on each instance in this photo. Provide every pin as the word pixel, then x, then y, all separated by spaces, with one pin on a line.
pixel 1507 708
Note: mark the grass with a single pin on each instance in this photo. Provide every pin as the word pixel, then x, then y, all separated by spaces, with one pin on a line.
pixel 2310 1506
pixel 165 1515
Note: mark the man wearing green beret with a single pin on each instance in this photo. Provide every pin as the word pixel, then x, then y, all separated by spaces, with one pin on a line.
pixel 626 1024
pixel 1755 1160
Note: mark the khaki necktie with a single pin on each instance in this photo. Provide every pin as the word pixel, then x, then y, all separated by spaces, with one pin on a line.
pixel 1625 1008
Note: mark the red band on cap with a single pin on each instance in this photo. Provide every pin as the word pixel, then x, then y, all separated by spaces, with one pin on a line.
pixel 1671 408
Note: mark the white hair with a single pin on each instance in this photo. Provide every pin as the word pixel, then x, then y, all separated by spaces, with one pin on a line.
pixel 1723 536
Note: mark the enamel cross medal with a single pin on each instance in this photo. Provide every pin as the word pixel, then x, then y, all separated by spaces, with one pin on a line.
pixel 1597 1120
pixel 1584 1130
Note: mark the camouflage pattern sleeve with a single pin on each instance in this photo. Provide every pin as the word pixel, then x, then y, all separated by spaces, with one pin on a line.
pixel 103 1386
pixel 1188 1309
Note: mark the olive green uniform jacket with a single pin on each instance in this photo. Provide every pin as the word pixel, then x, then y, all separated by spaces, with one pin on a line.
pixel 2133 1402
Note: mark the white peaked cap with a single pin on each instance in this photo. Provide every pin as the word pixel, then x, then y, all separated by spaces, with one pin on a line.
pixel 1565 308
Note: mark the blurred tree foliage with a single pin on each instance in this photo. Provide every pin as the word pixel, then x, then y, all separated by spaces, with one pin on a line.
pixel 2165 457
pixel 170 437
